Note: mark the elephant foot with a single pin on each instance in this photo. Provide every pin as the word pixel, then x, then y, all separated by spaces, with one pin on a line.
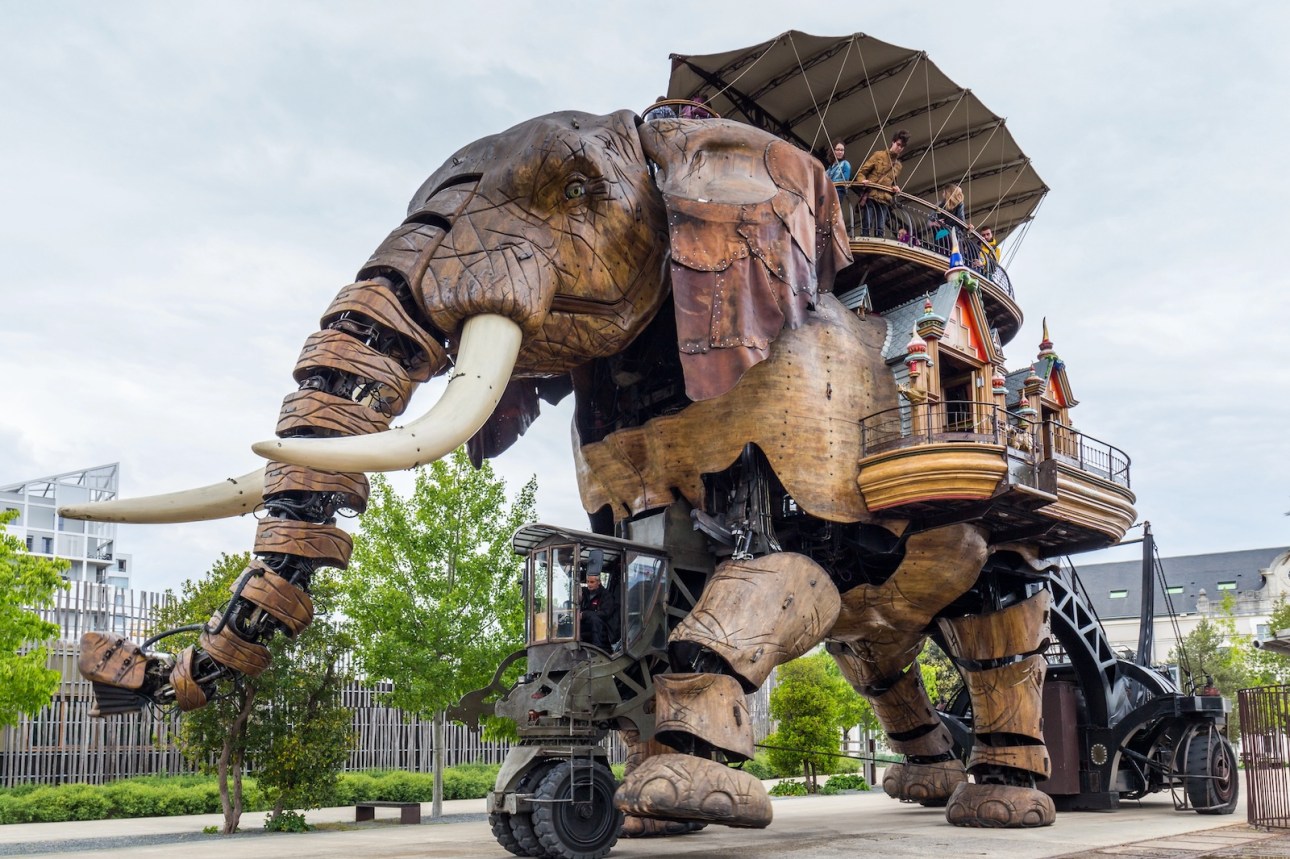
pixel 685 788
pixel 1000 806
pixel 927 784
pixel 649 827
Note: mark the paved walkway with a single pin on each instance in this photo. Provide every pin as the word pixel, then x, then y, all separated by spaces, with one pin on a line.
pixel 833 827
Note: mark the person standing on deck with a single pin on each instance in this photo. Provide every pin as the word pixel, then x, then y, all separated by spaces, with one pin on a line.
pixel 881 169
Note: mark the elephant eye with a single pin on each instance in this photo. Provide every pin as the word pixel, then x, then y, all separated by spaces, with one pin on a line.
pixel 576 188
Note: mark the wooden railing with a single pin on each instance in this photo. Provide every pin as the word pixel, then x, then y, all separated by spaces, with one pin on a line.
pixel 917 223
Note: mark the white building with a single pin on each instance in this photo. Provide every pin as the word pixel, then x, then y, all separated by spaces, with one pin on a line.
pixel 99 598
pixel 1246 583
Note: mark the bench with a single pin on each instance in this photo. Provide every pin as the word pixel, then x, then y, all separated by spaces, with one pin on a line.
pixel 409 812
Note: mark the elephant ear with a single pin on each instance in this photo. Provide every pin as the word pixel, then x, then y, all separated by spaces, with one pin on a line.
pixel 755 235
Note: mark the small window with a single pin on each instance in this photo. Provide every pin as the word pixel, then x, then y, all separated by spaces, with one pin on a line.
pixel 1226 586
pixel 1174 589
pixel 1119 594
pixel 29 539
pixel 47 545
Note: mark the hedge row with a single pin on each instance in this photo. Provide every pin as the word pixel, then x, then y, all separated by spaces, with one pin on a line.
pixel 153 796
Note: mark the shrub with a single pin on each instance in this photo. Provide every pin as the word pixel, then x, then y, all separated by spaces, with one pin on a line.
pixel 788 787
pixel 759 767
pixel 849 781
pixel 287 821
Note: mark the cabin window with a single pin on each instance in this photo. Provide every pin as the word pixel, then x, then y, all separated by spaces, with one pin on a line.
pixel 957 398
pixel 1226 586
pixel 1119 594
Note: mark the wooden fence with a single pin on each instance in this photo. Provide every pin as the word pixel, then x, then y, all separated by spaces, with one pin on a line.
pixel 62 743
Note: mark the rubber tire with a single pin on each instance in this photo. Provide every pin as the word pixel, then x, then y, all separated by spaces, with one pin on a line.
pixel 569 830
pixel 1208 758
pixel 526 839
pixel 500 823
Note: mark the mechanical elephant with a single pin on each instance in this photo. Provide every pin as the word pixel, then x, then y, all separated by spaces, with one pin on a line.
pixel 675 276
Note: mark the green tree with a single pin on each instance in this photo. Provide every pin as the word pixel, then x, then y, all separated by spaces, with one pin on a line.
pixel 221 727
pixel 434 586
pixel 1215 649
pixel 1269 667
pixel 27 582
pixel 289 720
pixel 811 703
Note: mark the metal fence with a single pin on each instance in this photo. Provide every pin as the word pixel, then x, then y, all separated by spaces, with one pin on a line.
pixel 1265 754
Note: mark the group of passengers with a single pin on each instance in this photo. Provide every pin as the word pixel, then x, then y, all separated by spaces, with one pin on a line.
pixel 880 171
pixel 689 110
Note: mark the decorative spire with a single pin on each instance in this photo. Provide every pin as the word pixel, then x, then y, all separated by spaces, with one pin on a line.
pixel 915 352
pixel 1024 409
pixel 999 384
pixel 1046 345
pixel 930 325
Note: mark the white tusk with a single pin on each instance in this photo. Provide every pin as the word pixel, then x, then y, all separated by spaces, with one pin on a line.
pixel 485 359
pixel 231 497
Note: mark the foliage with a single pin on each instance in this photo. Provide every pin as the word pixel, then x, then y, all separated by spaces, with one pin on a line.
pixel 1215 649
pixel 434 589
pixel 289 720
pixel 846 781
pixel 160 796
pixel 281 820
pixel 1269 667
pixel 940 676
pixel 301 734
pixel 760 767
pixel 788 788
pixel 28 582
pixel 811 703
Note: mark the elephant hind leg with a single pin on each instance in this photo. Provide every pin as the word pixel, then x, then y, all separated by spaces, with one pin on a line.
pixel 1001 658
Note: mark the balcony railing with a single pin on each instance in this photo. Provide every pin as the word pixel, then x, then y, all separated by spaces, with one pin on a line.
pixel 1084 452
pixel 933 423
pixel 915 222
pixel 917 424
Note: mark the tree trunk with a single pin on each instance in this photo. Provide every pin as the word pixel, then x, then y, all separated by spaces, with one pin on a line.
pixel 230 761
pixel 436 807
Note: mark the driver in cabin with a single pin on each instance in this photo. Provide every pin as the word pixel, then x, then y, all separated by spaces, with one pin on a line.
pixel 598 610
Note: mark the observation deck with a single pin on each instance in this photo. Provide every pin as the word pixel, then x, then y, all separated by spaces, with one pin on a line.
pixel 909 258
pixel 1043 483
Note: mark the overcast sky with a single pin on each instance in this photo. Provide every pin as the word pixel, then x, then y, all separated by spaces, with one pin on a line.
pixel 186 187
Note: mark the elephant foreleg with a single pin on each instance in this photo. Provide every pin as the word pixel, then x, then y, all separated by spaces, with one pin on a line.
pixel 752 616
pixel 879 633
pixel 1001 658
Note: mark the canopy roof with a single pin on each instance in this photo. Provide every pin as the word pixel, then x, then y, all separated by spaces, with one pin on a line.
pixel 812 90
